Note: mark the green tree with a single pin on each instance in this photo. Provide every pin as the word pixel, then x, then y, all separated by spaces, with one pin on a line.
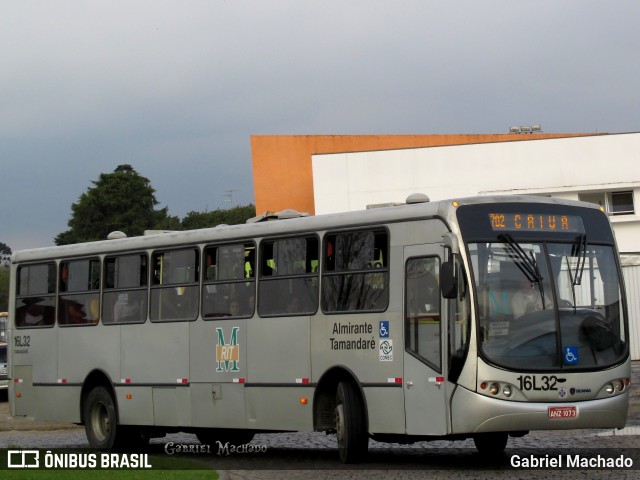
pixel 233 216
pixel 5 254
pixel 122 200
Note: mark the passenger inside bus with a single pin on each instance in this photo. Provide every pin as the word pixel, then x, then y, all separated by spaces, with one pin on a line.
pixel 75 312
pixel 129 307
pixel 32 313
pixel 293 304
pixel 234 308
pixel 526 299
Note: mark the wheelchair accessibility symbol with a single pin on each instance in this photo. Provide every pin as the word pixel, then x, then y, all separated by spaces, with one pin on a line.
pixel 570 355
pixel 384 328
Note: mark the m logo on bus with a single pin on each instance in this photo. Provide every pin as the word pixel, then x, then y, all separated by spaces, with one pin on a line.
pixel 227 354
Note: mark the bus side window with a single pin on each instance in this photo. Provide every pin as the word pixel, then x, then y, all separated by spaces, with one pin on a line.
pixel 356 272
pixel 79 296
pixel 288 277
pixel 174 287
pixel 35 299
pixel 422 309
pixel 229 287
pixel 125 289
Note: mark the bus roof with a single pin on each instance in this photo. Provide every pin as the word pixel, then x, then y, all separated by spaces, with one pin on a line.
pixel 443 209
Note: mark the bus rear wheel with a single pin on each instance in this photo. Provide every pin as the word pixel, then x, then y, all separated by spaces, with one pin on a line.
pixel 100 419
pixel 351 430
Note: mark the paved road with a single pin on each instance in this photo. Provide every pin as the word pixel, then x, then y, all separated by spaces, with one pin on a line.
pixel 294 455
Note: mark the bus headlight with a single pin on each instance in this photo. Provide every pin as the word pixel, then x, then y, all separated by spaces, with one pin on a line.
pixel 619 385
pixel 506 391
pixel 494 388
pixel 609 388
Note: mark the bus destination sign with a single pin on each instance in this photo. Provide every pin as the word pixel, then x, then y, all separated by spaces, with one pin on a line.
pixel 535 222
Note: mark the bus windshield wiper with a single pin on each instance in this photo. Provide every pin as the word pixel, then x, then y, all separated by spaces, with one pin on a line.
pixel 578 250
pixel 527 264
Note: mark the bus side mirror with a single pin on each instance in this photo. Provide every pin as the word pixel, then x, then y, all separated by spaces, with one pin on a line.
pixel 448 280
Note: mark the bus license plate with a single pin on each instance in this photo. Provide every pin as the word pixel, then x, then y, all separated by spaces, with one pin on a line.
pixel 563 412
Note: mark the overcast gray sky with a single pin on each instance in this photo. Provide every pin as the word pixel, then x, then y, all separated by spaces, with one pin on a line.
pixel 176 88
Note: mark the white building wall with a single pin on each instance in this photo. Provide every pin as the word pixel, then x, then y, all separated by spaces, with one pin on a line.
pixel 559 167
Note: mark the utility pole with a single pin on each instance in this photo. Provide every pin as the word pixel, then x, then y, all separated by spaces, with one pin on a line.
pixel 228 196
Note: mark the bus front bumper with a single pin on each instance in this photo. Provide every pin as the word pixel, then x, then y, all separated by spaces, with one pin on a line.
pixel 474 413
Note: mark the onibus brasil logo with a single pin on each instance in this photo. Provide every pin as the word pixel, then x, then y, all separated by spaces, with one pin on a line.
pixel 227 354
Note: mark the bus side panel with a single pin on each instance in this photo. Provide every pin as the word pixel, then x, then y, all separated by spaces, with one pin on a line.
pixel 279 356
pixel 218 405
pixel 31 347
pixel 59 404
pixel 171 406
pixel 138 409
pixel 21 391
pixel 37 347
pixel 157 355
pixel 278 350
pixel 382 407
pixel 98 345
pixel 277 408
pixel 218 365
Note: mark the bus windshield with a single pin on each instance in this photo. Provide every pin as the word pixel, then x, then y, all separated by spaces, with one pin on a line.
pixel 547 285
pixel 548 305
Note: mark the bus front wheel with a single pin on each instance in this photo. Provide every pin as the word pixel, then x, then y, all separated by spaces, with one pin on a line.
pixel 351 430
pixel 100 419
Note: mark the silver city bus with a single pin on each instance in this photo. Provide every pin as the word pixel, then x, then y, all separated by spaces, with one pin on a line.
pixel 480 318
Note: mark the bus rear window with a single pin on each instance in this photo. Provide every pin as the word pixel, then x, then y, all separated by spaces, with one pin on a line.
pixel 35 301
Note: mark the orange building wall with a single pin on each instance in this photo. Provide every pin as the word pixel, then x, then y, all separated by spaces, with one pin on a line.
pixel 282 174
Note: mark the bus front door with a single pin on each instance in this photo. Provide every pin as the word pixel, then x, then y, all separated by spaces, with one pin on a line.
pixel 425 388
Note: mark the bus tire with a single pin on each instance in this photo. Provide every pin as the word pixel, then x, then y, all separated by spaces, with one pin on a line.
pixel 351 431
pixel 491 444
pixel 101 419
